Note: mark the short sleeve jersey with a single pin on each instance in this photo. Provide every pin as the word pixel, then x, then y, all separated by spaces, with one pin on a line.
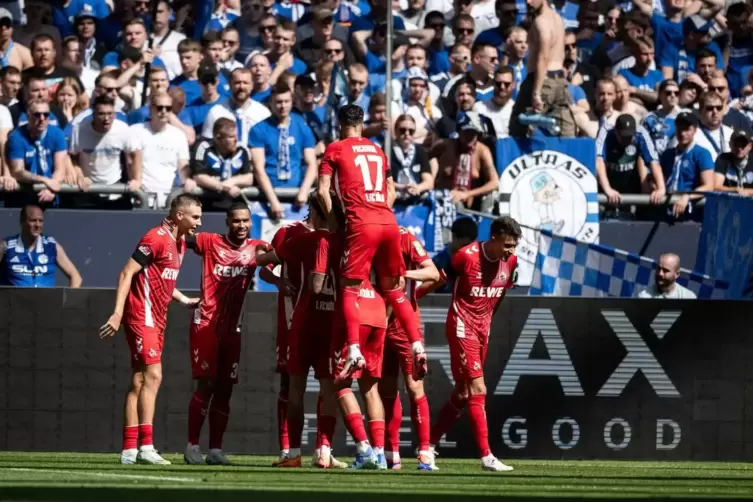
pixel 359 171
pixel 227 272
pixel 160 255
pixel 480 284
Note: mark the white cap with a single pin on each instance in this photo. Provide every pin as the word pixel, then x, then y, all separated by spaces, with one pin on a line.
pixel 6 13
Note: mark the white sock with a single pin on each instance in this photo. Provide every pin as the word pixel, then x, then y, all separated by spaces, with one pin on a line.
pixel 130 452
pixel 294 452
pixel 215 451
pixel 425 453
pixel 489 458
pixel 325 451
pixel 379 450
pixel 284 453
pixel 363 447
pixel 392 456
pixel 146 447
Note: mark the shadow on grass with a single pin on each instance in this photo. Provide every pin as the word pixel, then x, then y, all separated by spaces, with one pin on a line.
pixel 117 494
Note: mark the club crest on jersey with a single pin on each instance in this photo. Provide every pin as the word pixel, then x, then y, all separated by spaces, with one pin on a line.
pixel 245 257
pixel 204 365
pixel 43 259
pixel 221 253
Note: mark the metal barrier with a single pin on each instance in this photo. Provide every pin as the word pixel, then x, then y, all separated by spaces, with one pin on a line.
pixel 251 193
pixel 99 189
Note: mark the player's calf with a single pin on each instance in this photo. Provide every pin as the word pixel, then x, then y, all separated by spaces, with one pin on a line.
pixel 351 411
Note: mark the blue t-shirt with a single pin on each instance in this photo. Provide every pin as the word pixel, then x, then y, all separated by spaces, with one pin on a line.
pixel 315 120
pixel 192 88
pixel 684 61
pixel 261 96
pixel 298 68
pixel 647 83
pixel 366 22
pixel 220 21
pixel 29 268
pixel 21 146
pixel 576 92
pixel 111 59
pixel 439 61
pixel 266 135
pixel 63 17
pixel 569 15
pixel 443 261
pixel 490 36
pixel 739 64
pixel 682 171
pixel 287 10
pixel 196 113
pixel 668 39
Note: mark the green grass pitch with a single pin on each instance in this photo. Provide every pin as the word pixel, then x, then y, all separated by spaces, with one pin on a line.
pixel 99 477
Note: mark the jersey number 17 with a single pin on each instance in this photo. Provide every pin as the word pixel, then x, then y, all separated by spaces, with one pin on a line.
pixel 373 190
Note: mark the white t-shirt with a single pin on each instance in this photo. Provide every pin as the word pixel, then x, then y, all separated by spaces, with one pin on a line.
pixel 169 54
pixel 250 114
pixel 6 121
pixel 499 115
pixel 677 293
pixel 100 153
pixel 162 153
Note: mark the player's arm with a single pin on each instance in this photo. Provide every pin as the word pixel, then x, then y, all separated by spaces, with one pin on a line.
pixel 427 287
pixel 68 268
pixel 324 183
pixel 426 272
pixel 391 189
pixel 317 276
pixel 184 300
pixel 266 259
pixel 135 264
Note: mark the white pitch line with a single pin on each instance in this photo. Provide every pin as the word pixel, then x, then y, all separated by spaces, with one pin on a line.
pixel 101 474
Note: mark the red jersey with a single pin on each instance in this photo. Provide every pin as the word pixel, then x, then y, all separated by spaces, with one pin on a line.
pixel 152 288
pixel 300 253
pixel 371 305
pixel 414 255
pixel 227 272
pixel 479 286
pixel 285 303
pixel 359 170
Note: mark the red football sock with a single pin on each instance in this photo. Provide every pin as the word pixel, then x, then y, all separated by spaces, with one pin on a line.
pixel 318 418
pixel 351 315
pixel 282 420
pixel 146 437
pixel 419 414
pixel 325 430
pixel 448 415
pixel 295 426
pixel 393 417
pixel 376 427
pixel 197 412
pixel 404 313
pixel 219 412
pixel 477 414
pixel 354 424
pixel 130 437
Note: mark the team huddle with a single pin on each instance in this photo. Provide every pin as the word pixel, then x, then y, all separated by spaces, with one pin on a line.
pixel 349 279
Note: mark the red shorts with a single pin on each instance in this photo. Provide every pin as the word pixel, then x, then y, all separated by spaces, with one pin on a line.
pixel 371 341
pixel 145 343
pixel 379 244
pixel 398 354
pixel 215 352
pixel 284 318
pixel 467 350
pixel 309 346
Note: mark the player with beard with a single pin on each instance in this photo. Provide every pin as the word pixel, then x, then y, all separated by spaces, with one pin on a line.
pixel 228 266
pixel 145 288
pixel 545 87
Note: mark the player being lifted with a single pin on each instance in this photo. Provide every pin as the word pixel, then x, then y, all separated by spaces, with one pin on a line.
pixel 145 287
pixel 228 266
pixel 287 285
pixel 483 271
pixel 372 330
pixel 398 356
pixel 364 186
pixel 309 339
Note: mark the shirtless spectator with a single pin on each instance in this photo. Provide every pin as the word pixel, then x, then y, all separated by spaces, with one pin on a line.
pixel 11 52
pixel 544 92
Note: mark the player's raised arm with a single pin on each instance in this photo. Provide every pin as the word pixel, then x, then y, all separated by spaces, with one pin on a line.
pixel 324 183
pixel 320 266
pixel 131 268
pixel 267 259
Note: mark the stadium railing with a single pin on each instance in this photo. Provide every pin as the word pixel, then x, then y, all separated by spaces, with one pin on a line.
pixel 118 188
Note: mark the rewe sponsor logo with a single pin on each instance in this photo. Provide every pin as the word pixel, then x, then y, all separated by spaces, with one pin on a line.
pixel 487 292
pixel 170 274
pixel 228 271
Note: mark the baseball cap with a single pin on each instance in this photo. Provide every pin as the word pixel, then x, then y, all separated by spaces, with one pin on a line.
pixel 686 119
pixel 696 24
pixel 304 81
pixel 469 121
pixel 321 13
pixel 85 12
pixel 6 13
pixel 625 125
pixel 739 136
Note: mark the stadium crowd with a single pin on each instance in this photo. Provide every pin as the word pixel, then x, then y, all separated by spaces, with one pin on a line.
pixel 228 94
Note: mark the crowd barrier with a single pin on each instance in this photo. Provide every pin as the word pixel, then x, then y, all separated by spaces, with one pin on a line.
pixel 566 378
pixel 99 189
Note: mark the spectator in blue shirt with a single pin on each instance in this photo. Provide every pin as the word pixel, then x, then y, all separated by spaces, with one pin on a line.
pixel 438 52
pixel 195 114
pixel 64 15
pixel 378 12
pixel 507 12
pixel 658 127
pixel 696 38
pixel 37 152
pixel 282 151
pixel 189 52
pixel 668 37
pixel 110 29
pixel 305 105
pixel 134 35
pixel 687 167
pixel 261 73
pixel 516 56
pixel 740 46
pixel 464 231
pixel 281 56
pixel 643 80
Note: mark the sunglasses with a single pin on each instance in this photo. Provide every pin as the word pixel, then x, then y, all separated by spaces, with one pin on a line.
pixel 162 108
pixel 571 46
pixel 406 130
pixel 713 108
pixel 671 93
pixel 333 51
pixel 110 89
pixel 718 89
pixel 501 85
pixel 41 115
pixel 437 26
pixel 464 31
pixel 268 27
